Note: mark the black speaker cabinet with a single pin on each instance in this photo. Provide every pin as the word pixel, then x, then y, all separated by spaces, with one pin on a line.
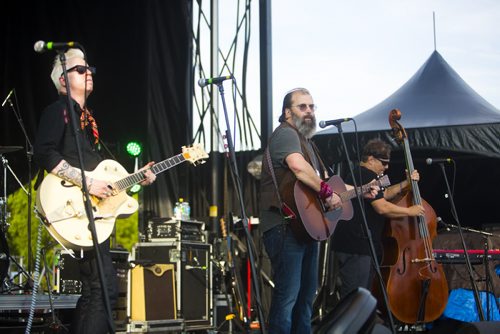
pixel 67 280
pixel 153 293
pixel 193 276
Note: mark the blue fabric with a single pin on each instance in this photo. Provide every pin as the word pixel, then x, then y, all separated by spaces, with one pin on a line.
pixel 462 306
pixel 295 275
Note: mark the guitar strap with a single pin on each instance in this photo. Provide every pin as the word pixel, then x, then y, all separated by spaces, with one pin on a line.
pixel 271 170
pixel 285 209
pixel 318 156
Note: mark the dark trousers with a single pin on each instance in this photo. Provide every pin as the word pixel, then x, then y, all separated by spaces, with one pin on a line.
pixel 90 315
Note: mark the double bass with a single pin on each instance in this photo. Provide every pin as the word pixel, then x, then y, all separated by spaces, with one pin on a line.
pixel 416 286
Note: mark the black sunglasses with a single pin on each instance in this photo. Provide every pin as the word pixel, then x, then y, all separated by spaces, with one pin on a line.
pixel 82 69
pixel 383 161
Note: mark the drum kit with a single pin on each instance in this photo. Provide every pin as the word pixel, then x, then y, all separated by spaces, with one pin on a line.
pixel 5 257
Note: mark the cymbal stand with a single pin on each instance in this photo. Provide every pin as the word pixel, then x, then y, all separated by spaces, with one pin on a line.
pixel 4 224
pixel 29 156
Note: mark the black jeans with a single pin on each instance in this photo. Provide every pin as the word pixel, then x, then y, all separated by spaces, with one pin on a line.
pixel 90 315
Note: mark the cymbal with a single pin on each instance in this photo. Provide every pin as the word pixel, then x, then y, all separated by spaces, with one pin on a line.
pixel 8 149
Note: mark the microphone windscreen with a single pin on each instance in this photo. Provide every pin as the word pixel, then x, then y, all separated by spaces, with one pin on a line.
pixel 39 46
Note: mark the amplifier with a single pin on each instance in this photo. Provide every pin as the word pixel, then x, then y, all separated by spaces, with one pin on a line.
pixel 193 273
pixel 153 293
pixel 166 229
pixel 67 272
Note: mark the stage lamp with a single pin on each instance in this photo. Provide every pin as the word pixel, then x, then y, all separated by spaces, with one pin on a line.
pixel 134 148
pixel 135 189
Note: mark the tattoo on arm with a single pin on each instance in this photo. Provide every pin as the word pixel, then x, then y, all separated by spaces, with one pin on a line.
pixel 69 173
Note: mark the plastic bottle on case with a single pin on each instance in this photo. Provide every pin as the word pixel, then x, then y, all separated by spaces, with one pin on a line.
pixel 178 209
pixel 186 211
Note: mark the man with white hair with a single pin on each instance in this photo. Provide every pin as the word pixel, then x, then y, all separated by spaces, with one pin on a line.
pixel 56 151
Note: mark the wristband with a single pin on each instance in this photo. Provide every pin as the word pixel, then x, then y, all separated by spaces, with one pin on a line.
pixel 325 191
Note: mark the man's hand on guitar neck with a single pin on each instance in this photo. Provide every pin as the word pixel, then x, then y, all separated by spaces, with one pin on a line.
pixel 374 189
pixel 150 177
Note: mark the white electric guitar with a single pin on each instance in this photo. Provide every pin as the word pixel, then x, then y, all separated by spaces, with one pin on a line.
pixel 61 206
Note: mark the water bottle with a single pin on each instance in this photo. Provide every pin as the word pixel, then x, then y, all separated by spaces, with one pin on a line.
pixel 178 209
pixel 186 211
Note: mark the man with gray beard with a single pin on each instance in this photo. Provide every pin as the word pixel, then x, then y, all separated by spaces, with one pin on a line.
pixel 294 258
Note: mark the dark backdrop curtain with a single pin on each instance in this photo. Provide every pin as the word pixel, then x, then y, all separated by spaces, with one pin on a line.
pixel 142 51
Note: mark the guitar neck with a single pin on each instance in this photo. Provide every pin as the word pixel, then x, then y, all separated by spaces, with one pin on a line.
pixel 158 168
pixel 350 194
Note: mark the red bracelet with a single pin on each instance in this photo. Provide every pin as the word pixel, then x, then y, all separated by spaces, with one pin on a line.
pixel 325 191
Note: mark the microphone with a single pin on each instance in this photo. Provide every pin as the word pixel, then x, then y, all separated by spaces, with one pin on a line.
pixel 205 82
pixel 431 161
pixel 41 46
pixel 8 97
pixel 323 124
pixel 440 221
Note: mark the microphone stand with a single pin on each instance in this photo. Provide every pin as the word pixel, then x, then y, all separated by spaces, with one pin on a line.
pixel 367 230
pixel 29 155
pixel 464 247
pixel 244 217
pixel 85 191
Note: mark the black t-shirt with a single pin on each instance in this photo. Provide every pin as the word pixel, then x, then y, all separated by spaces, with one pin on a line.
pixel 349 236
pixel 55 141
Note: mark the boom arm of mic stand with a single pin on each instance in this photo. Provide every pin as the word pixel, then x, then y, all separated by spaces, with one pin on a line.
pixel 250 245
pixel 466 254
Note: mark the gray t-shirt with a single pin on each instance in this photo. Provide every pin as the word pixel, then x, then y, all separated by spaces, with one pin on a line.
pixel 284 142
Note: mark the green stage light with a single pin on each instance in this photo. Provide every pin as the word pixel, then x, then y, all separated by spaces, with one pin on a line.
pixel 135 188
pixel 134 148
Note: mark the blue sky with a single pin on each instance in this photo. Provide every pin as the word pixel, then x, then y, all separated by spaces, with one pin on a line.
pixel 353 54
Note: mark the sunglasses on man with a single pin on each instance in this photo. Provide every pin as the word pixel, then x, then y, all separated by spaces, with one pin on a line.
pixel 82 69
pixel 303 107
pixel 383 161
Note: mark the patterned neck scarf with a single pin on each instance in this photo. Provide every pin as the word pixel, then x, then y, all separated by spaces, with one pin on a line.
pixel 86 119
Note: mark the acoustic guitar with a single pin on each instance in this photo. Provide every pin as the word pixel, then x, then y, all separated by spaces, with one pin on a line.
pixel 317 221
pixel 61 206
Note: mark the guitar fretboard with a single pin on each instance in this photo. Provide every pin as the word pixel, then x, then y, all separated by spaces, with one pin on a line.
pixel 138 177
pixel 349 194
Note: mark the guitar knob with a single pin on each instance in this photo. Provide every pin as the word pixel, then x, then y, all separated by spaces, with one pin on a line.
pixel 78 237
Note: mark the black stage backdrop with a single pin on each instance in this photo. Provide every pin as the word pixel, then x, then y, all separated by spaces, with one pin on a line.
pixel 142 91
